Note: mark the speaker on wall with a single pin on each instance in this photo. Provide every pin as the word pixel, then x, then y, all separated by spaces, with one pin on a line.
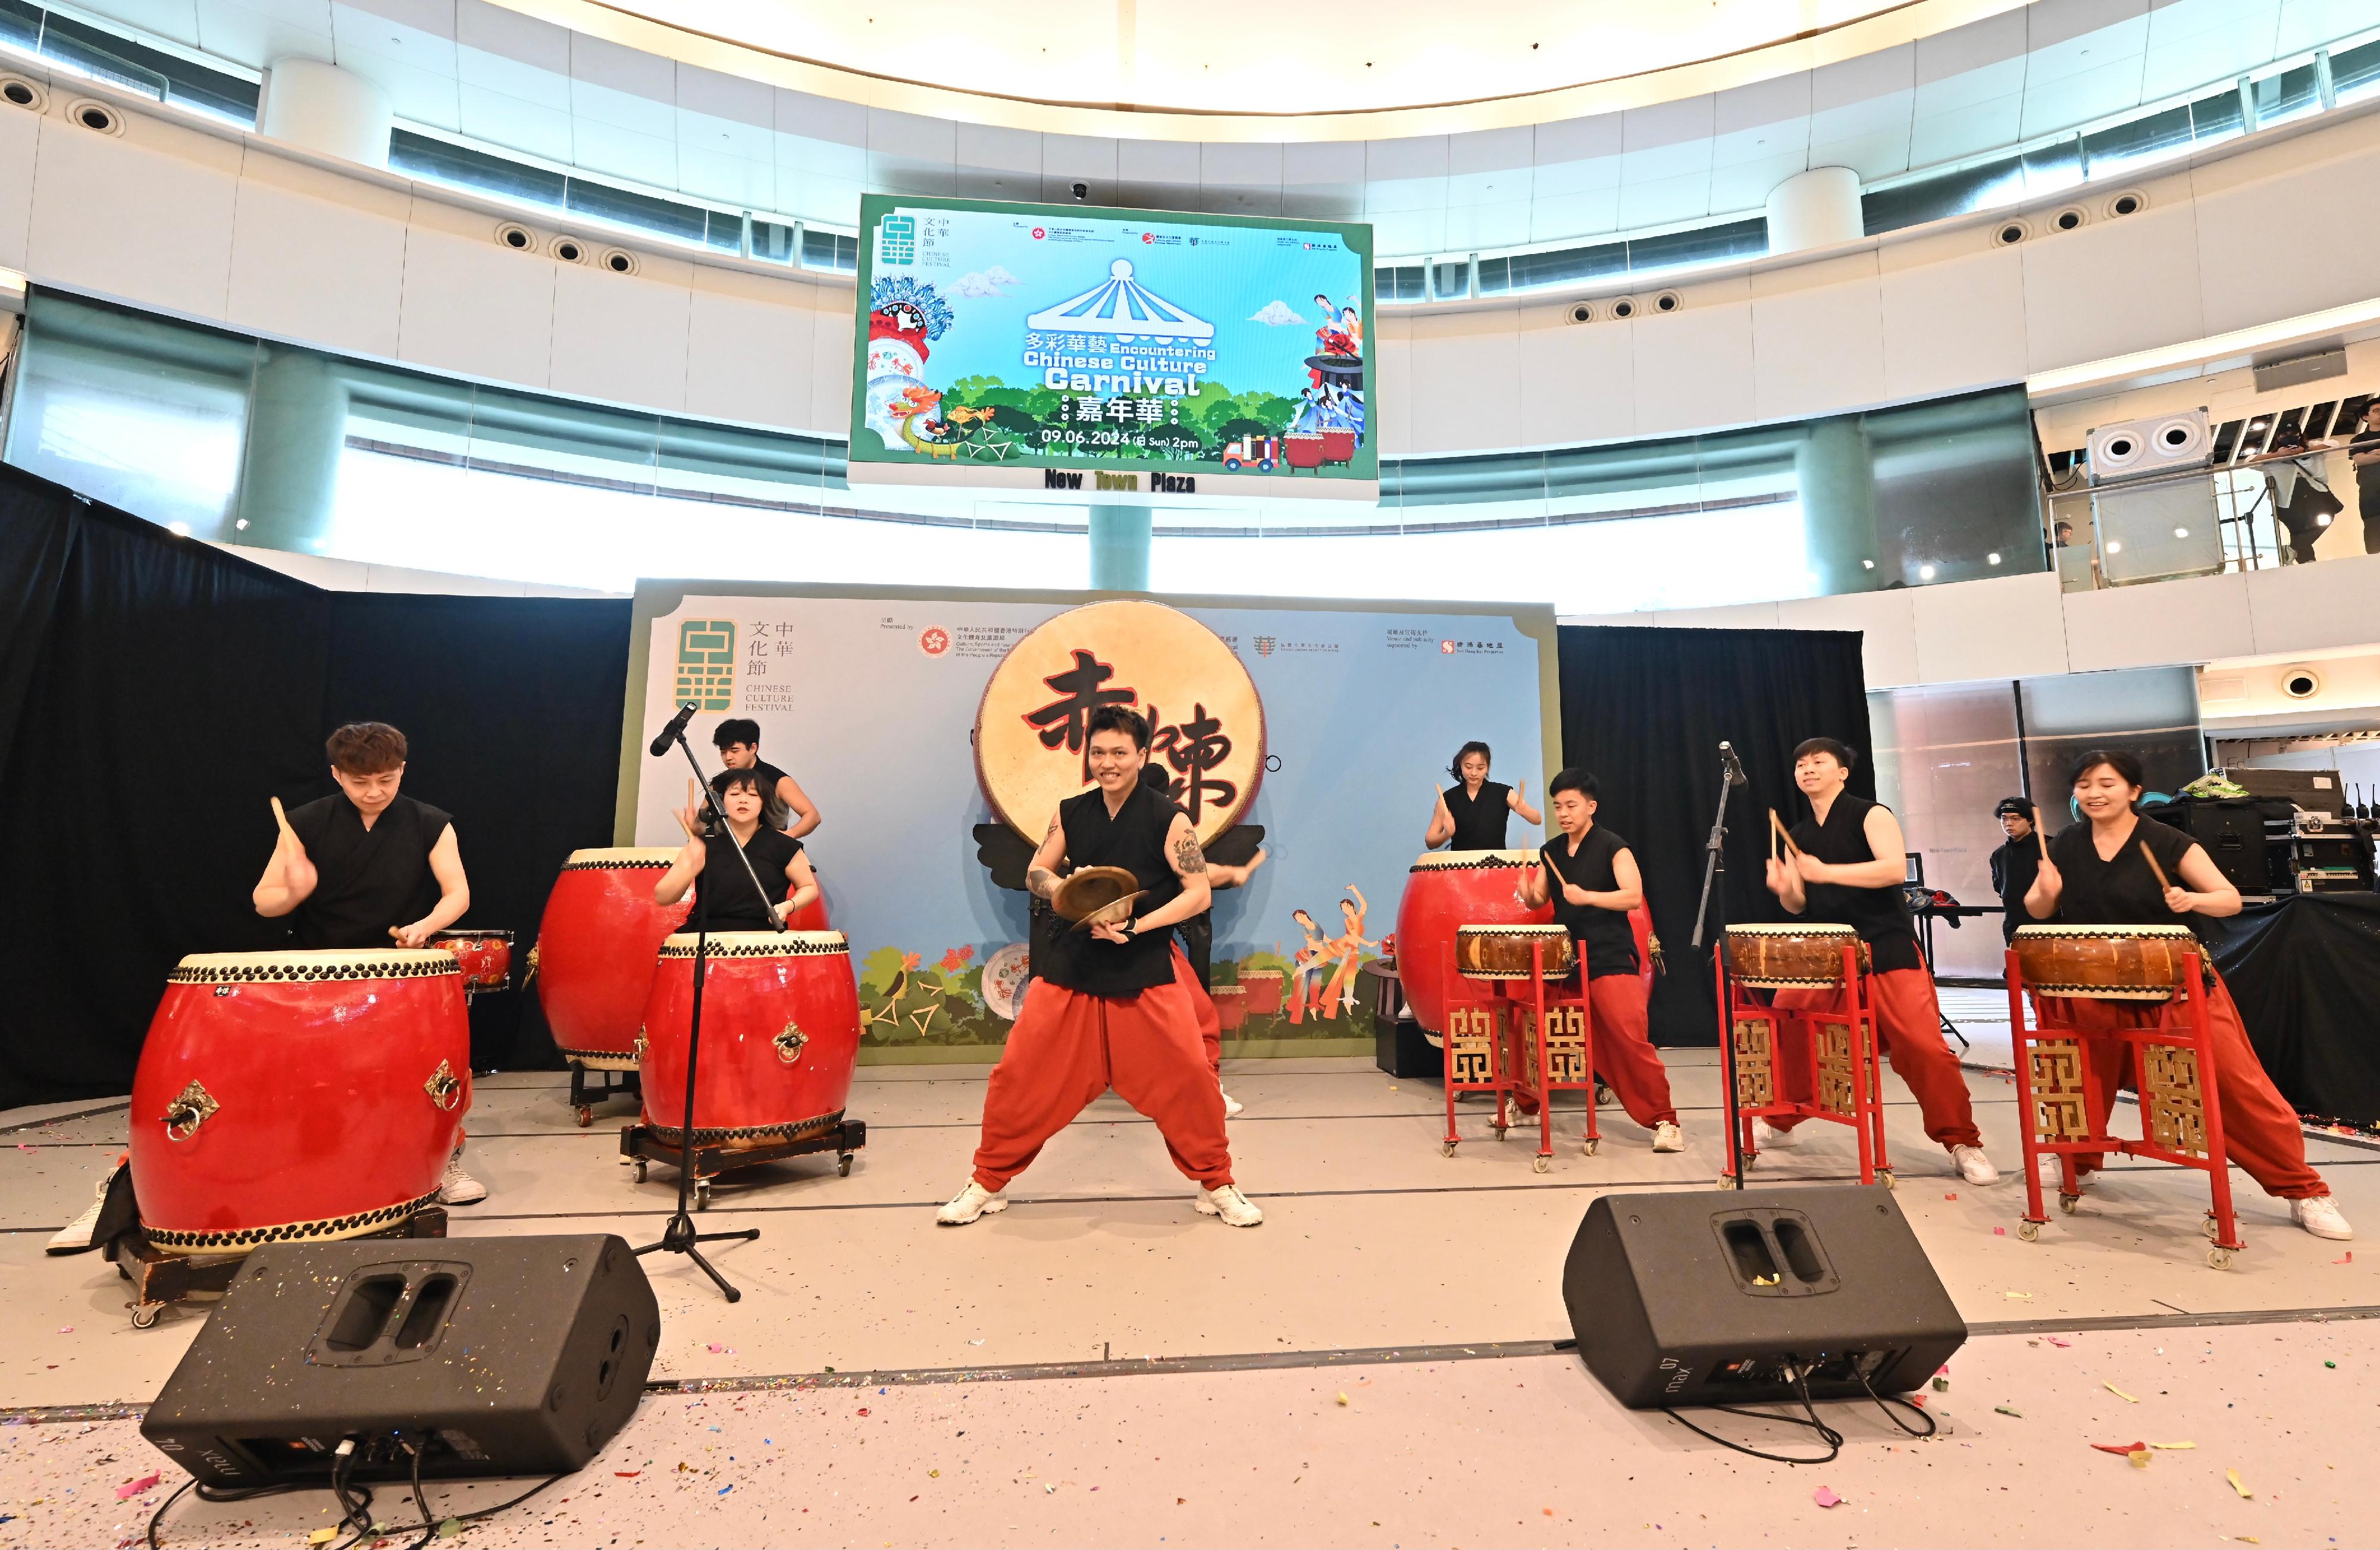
pixel 492 1356
pixel 1754 1296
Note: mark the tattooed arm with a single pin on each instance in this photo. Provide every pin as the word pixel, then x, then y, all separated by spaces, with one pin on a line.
pixel 1041 874
pixel 1189 863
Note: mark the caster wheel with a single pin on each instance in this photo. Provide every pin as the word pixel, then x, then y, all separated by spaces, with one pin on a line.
pixel 2069 1203
pixel 144 1315
pixel 1446 1148
pixel 2029 1231
pixel 2219 1258
pixel 2209 1228
pixel 1590 1145
pixel 1602 1095
pixel 1499 1131
pixel 702 1197
pixel 1541 1165
pixel 584 1114
pixel 637 1170
pixel 1884 1177
pixel 843 1166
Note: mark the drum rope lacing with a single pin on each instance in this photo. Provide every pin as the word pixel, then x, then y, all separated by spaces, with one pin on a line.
pixel 789 944
pixel 798 1129
pixel 288 1232
pixel 297 972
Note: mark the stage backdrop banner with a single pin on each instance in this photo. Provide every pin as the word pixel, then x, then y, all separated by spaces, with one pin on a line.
pixel 869 700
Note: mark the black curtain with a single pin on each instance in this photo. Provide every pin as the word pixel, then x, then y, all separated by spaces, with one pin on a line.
pixel 2305 970
pixel 155 691
pixel 1645 710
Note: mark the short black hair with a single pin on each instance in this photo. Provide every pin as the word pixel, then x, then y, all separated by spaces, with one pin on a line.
pixel 1474 746
pixel 736 729
pixel 2125 766
pixel 2014 806
pixel 1842 753
pixel 1578 781
pixel 1119 718
pixel 728 780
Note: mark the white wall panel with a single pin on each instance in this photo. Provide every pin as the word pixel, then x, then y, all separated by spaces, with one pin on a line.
pixel 1953 324
pixel 1999 627
pixel 316 257
pixel 622 338
pixel 2333 205
pixel 146 216
pixel 831 350
pixel 1391 340
pixel 1885 621
pixel 20 144
pixel 1465 375
pixel 471 306
pixel 2112 287
pixel 1578 380
pixel 1818 349
pixel 2302 608
pixel 749 346
pixel 2154 626
pixel 1693 369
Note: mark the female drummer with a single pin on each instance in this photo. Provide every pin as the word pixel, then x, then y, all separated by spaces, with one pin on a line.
pixel 2096 874
pixel 777 860
pixel 1473 812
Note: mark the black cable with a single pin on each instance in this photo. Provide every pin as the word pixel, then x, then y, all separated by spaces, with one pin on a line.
pixel 420 1502
pixel 1833 1438
pixel 157 1515
pixel 1931 1424
pixel 429 1525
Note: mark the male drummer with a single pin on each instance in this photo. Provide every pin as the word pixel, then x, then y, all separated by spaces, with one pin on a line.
pixel 738 740
pixel 1590 877
pixel 1112 1008
pixel 1849 871
pixel 367 867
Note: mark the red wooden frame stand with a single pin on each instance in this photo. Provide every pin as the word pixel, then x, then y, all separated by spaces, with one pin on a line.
pixel 1844 1070
pixel 1519 1036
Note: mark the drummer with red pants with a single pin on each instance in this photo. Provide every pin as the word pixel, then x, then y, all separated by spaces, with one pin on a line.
pixel 707 863
pixel 1115 1004
pixel 1851 872
pixel 367 867
pixel 2096 874
pixel 1590 877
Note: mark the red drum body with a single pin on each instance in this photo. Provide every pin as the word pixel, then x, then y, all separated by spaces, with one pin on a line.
pixel 1445 891
pixel 285 1097
pixel 1261 989
pixel 486 957
pixel 780 1036
pixel 595 952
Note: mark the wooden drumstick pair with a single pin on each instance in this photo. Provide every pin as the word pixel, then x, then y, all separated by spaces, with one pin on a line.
pixel 1777 834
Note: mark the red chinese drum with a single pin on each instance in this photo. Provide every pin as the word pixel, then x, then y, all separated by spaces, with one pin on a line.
pixel 780 1036
pixel 1446 890
pixel 486 957
pixel 594 955
pixel 283 1096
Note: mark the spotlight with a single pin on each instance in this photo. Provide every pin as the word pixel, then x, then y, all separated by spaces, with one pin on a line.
pixel 1867 564
pixel 1081 192
pixel 2181 532
pixel 1925 573
pixel 1993 559
pixel 241 526
pixel 2115 546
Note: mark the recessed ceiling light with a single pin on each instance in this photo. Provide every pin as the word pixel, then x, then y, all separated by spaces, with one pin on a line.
pixel 1992 559
pixel 2115 546
pixel 1867 564
pixel 1925 573
pixel 2181 532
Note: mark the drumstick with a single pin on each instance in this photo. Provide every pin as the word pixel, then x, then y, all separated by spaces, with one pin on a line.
pixel 2045 842
pixel 282 820
pixel 2150 856
pixel 1779 825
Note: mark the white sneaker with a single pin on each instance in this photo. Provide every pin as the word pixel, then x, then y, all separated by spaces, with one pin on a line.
pixel 1766 1137
pixel 2318 1213
pixel 1228 1202
pixel 969 1204
pixel 458 1188
pixel 76 1235
pixel 2051 1166
pixel 1666 1137
pixel 1232 1106
pixel 1973 1167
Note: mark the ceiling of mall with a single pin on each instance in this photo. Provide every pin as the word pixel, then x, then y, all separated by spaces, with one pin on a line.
pixel 1254 55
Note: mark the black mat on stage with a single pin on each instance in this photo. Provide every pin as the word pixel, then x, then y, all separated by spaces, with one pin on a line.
pixel 2305 970
pixel 1645 710
pixel 155 691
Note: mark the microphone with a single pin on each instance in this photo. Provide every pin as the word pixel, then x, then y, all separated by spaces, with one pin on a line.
pixel 669 733
pixel 1735 775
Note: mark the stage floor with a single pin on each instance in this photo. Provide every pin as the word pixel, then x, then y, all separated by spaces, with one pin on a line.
pixel 1169 1356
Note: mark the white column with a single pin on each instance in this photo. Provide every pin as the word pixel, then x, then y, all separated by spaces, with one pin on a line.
pixel 1815 208
pixel 323 108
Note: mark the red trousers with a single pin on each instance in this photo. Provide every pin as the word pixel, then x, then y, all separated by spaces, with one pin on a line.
pixel 1211 1026
pixel 1625 1056
pixel 1068 1047
pixel 1909 1024
pixel 2261 1132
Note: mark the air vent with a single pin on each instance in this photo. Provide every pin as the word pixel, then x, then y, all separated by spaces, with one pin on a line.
pixel 1667 301
pixel 1623 307
pixel 2126 201
pixel 517 237
pixel 569 250
pixel 619 261
pixel 2301 683
pixel 2008 233
pixel 93 113
pixel 2072 218
pixel 1582 312
pixel 19 92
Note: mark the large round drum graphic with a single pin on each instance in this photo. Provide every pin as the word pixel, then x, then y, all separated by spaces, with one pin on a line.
pixel 1207 724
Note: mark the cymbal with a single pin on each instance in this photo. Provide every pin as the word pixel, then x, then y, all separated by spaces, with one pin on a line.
pixel 1094 889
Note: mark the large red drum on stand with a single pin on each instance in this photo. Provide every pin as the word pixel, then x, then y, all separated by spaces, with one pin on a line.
pixel 283 1096
pixel 595 952
pixel 780 1036
pixel 1446 890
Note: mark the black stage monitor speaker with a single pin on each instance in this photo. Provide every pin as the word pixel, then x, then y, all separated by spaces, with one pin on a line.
pixel 1702 1299
pixel 494 1356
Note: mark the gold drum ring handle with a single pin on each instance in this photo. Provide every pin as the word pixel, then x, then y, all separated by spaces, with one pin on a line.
pixel 790 1041
pixel 445 1089
pixel 641 1046
pixel 532 969
pixel 194 1107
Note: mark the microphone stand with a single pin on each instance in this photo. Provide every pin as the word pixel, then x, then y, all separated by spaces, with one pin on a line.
pixel 1715 867
pixel 679 1236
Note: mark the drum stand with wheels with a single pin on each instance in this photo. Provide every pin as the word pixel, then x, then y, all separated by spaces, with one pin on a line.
pixel 1510 1042
pixel 159 1279
pixel 2058 1089
pixel 615 1084
pixel 643 1143
pixel 1844 1076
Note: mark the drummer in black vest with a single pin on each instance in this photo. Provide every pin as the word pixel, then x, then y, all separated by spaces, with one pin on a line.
pixel 1589 876
pixel 2099 874
pixel 1852 871
pixel 707 861
pixel 789 806
pixel 1113 1006
pixel 370 866
pixel 1473 812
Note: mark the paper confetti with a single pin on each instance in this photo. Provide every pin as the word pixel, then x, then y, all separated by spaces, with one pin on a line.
pixel 2122 1449
pixel 132 1488
pixel 627 1474
pixel 451 1528
pixel 1342 1399
pixel 2172 1447
pixel 2008 1410
pixel 2233 1476
pixel 1941 1385
pixel 2063 1345
pixel 1826 1497
pixel 2139 1457
pixel 2119 1393
pixel 321 1536
pixel 2018 1296
pixel 1999 1233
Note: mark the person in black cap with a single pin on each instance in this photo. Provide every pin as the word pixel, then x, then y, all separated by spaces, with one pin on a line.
pixel 2015 863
